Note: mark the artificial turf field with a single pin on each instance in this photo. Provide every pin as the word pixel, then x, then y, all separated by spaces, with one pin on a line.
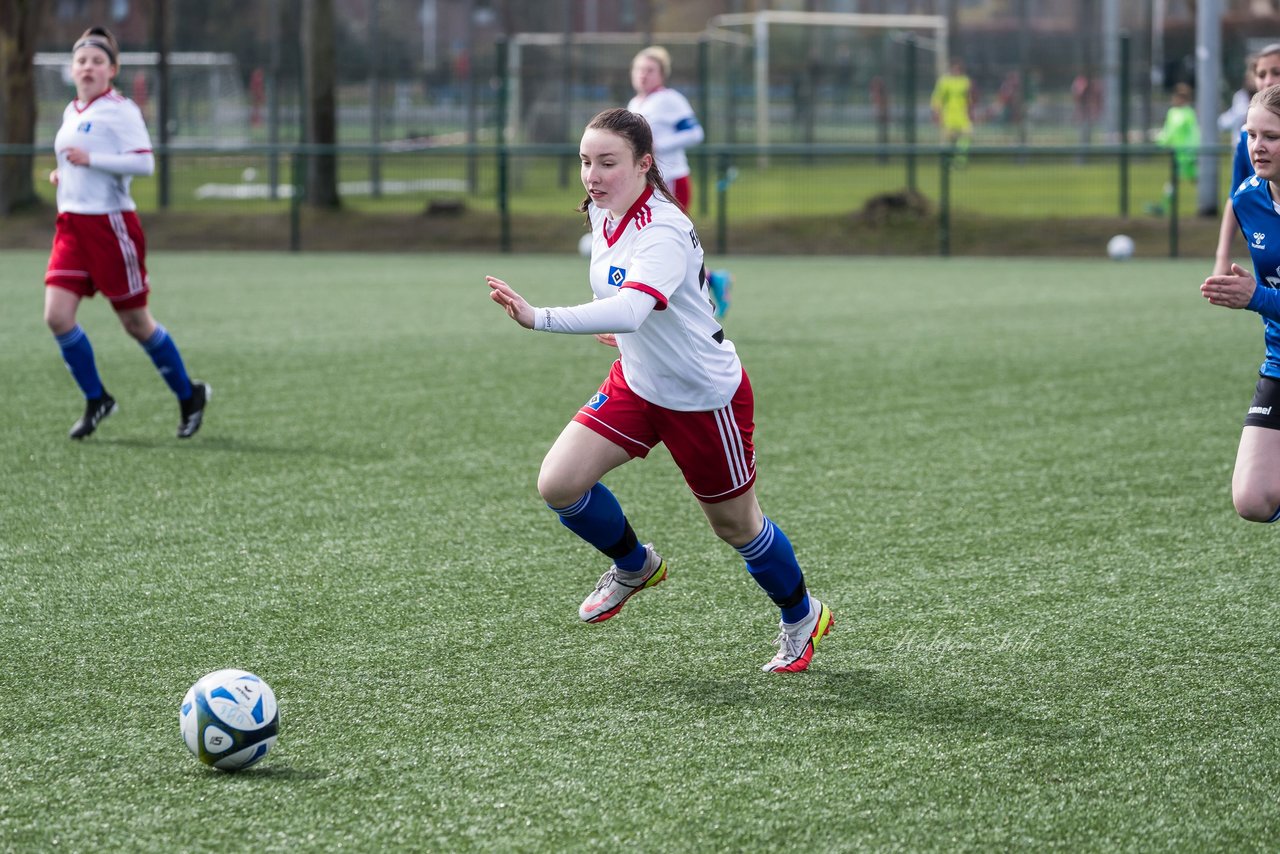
pixel 1010 479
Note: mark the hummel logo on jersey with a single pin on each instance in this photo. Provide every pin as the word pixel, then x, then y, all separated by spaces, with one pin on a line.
pixel 597 400
pixel 1259 410
pixel 617 276
pixel 1258 238
pixel 643 217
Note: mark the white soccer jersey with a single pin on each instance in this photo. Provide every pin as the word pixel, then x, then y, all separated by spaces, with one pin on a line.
pixel 110 128
pixel 674 126
pixel 679 357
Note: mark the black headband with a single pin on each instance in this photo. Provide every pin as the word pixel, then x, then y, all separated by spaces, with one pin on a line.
pixel 92 41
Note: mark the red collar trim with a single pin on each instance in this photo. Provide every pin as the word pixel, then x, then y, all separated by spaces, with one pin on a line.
pixel 80 109
pixel 639 203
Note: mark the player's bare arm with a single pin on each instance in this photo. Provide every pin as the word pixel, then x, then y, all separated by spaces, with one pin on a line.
pixel 1233 290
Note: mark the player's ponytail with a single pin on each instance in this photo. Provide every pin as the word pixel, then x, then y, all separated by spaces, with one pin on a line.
pixel 633 128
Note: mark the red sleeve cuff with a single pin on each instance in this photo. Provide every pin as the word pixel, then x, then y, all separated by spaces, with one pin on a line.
pixel 657 295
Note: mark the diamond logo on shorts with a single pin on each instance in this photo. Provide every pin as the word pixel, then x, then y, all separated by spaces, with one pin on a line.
pixel 597 400
pixel 617 276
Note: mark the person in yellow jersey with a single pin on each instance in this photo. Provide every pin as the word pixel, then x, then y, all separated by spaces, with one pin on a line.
pixel 952 105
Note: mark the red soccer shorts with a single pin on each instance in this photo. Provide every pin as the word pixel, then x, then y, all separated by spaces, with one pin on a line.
pixel 713 449
pixel 682 189
pixel 103 253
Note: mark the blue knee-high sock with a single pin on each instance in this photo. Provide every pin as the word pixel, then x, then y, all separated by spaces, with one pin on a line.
pixel 77 352
pixel 772 563
pixel 168 361
pixel 597 517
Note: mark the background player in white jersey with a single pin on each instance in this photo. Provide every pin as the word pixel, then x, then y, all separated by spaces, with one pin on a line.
pixel 670 117
pixel 677 380
pixel 98 245
pixel 1255 483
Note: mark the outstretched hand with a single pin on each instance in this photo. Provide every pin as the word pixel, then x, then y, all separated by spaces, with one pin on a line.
pixel 515 305
pixel 1233 289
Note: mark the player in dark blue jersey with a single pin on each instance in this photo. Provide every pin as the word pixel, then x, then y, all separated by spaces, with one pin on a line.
pixel 1255 484
pixel 1266 72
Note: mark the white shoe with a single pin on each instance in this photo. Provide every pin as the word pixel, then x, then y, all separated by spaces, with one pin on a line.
pixel 797 641
pixel 615 587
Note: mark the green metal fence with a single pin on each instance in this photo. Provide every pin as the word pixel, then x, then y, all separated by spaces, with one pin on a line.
pixel 836 199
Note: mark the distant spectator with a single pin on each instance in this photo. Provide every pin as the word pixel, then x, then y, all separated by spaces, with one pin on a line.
pixel 140 91
pixel 1009 99
pixel 257 96
pixel 1086 94
pixel 952 105
pixel 1180 134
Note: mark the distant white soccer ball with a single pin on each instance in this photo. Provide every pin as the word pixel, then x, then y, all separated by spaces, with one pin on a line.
pixel 249 174
pixel 1120 247
pixel 229 719
pixel 584 245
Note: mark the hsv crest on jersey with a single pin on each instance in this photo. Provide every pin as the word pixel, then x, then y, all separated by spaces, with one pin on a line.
pixel 597 400
pixel 617 276
pixel 84 127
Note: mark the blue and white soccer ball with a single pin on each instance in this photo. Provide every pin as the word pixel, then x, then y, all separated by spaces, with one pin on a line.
pixel 229 719
pixel 1120 247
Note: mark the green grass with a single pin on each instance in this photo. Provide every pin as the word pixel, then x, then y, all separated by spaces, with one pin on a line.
pixel 1009 478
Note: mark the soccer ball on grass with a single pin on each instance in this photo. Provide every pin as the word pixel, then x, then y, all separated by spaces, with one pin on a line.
pixel 229 719
pixel 1120 247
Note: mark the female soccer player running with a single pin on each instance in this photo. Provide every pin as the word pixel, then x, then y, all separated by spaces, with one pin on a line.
pixel 98 245
pixel 1255 484
pixel 677 380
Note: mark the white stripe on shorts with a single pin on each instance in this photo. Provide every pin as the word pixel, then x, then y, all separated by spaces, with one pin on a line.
pixel 128 252
pixel 731 441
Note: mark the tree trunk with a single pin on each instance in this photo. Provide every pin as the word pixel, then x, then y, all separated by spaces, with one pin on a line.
pixel 19 23
pixel 318 58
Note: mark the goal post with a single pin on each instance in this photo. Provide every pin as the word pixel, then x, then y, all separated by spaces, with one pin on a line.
pixel 761 24
pixel 596 60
